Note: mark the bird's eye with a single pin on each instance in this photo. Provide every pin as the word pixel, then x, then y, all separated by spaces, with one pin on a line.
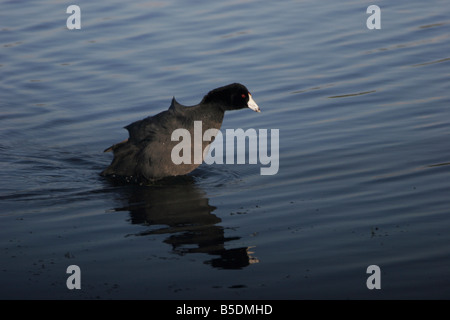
pixel 243 96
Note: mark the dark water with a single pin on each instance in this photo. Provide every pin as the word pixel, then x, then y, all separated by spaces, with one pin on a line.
pixel 364 150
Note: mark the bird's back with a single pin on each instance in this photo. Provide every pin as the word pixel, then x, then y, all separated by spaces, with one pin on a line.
pixel 147 153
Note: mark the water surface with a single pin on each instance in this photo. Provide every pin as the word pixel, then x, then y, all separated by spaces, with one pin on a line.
pixel 364 122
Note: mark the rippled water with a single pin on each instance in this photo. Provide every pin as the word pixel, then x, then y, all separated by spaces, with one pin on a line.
pixel 364 120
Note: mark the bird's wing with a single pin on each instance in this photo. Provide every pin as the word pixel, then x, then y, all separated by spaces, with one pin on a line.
pixel 175 107
pixel 145 129
pixel 114 146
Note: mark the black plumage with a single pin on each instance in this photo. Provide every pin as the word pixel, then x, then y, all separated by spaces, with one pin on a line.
pixel 146 154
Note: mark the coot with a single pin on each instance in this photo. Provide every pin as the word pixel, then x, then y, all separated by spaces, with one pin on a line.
pixel 147 153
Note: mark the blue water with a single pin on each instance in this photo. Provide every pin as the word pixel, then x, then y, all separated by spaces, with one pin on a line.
pixel 364 151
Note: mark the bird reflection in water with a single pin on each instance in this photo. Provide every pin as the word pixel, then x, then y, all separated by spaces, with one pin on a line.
pixel 177 207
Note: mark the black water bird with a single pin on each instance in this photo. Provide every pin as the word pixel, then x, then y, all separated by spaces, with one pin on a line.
pixel 147 153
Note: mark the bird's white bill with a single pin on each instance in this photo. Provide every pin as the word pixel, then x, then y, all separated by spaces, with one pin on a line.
pixel 252 104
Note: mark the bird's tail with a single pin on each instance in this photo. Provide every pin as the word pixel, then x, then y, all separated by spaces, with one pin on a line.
pixel 124 161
